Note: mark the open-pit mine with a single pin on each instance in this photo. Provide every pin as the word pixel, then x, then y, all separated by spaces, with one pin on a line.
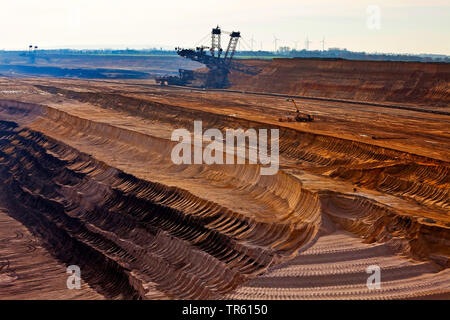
pixel 88 181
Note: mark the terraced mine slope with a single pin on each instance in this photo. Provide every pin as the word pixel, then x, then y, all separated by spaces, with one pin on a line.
pixel 88 180
pixel 375 81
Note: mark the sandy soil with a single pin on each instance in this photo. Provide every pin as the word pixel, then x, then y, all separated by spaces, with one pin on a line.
pixel 418 83
pixel 86 169
pixel 28 271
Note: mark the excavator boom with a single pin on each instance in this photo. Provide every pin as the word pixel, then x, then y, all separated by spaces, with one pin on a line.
pixel 219 65
pixel 299 117
pixel 295 104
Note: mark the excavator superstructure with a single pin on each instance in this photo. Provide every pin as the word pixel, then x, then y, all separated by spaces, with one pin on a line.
pixel 218 62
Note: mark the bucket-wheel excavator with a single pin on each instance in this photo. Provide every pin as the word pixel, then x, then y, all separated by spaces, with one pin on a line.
pixel 218 62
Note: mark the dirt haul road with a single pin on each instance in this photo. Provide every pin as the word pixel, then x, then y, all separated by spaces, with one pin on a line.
pixel 88 177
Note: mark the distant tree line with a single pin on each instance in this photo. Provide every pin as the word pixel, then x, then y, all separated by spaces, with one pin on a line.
pixel 283 52
pixel 337 53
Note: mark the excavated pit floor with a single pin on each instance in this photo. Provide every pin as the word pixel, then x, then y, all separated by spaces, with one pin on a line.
pixel 86 169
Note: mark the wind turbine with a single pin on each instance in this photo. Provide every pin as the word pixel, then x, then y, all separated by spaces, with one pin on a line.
pixel 307 42
pixel 275 41
pixel 323 43
pixel 252 42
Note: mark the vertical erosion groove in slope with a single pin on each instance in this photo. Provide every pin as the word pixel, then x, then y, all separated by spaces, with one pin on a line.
pixel 134 238
pixel 187 233
pixel 418 178
pixel 380 81
pixel 407 235
pixel 278 198
pixel 427 183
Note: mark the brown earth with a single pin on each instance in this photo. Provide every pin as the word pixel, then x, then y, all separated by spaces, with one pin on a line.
pixel 377 81
pixel 87 176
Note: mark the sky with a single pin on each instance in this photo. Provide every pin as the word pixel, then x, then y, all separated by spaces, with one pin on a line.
pixel 393 26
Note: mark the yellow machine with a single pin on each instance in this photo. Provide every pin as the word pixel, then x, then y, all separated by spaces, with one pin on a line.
pixel 299 117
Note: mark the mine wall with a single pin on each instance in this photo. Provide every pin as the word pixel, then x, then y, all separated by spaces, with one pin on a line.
pixel 366 81
pixel 133 224
pixel 161 235
pixel 143 239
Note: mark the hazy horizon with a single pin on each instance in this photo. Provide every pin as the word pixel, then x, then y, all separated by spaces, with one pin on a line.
pixel 403 26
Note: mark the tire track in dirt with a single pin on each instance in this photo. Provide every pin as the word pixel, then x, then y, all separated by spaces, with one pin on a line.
pixel 161 231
